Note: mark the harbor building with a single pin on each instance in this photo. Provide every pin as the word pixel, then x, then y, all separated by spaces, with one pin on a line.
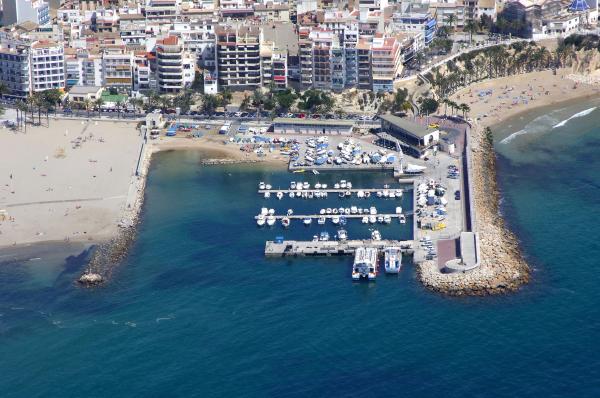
pixel 414 138
pixel 312 126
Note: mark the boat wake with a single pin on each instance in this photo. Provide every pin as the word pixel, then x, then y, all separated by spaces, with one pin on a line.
pixel 578 114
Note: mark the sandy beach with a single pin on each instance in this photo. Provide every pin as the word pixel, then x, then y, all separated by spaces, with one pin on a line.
pixel 495 100
pixel 70 181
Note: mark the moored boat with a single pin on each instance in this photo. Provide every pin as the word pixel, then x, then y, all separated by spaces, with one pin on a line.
pixel 392 259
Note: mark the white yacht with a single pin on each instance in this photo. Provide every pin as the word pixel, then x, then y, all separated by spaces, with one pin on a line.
pixel 271 212
pixel 347 211
pixel 365 220
pixel 264 211
pixel 328 210
pixel 268 186
pixel 261 185
pixel 321 220
pixel 372 219
pixel 380 219
pixel 322 211
pixel 353 209
pixel 342 234
pixel 279 195
pixel 387 219
pixel 343 184
pixel 349 185
pixel 260 221
pixel 267 195
pixel 398 193
pixel 379 194
pixel 372 210
pixel 398 210
pixel 392 259
pixel 305 185
pixel 290 212
pixel 375 235
pixel 317 186
pixel 293 185
pixel 292 195
pixel 360 194
pixel 271 220
pixel 324 186
pixel 336 186
pixel 335 220
pixel 307 221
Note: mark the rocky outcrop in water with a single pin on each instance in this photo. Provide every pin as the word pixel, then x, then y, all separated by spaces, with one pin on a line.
pixel 502 267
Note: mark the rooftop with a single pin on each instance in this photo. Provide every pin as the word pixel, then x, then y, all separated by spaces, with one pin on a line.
pixel 410 127
pixel 313 122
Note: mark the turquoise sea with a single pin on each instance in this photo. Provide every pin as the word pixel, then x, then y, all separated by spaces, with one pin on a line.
pixel 196 309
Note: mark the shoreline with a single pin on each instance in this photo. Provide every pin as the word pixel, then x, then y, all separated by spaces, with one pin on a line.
pixel 503 268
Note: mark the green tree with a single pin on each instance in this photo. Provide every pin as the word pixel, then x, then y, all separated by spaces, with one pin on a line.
pixel 4 90
pixel 225 97
pixel 429 105
pixel 451 20
pixel 210 103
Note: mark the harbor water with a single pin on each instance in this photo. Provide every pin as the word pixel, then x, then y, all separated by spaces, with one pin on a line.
pixel 197 310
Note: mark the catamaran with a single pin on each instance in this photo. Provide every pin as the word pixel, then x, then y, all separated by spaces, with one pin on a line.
pixel 365 263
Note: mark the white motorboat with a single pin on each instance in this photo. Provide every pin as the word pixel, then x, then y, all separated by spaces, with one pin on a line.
pixel 271 212
pixel 392 195
pixel 260 221
pixel 268 186
pixel 335 220
pixel 360 194
pixel 322 211
pixel 353 210
pixel 398 210
pixel 375 235
pixel 387 219
pixel 342 234
pixel 271 221
pixel 285 221
pixel 299 187
pixel 349 185
pixel 365 220
pixel 311 195
pixel 372 210
pixel 305 185
pixel 398 193
pixel 360 210
pixel 367 194
pixel 379 194
pixel 347 211
pixel 341 210
pixel 267 195
pixel 343 184
pixel 328 210
pixel 386 193
pixel 293 185
pixel 334 210
pixel 348 194
pixel 292 195
pixel 372 219
pixel 279 195
pixel 307 221
pixel 342 195
pixel 264 211
pixel 402 219
pixel 336 186
pixel 317 186
pixel 324 186
pixel 380 219
pixel 321 220
pixel 261 185
pixel 392 259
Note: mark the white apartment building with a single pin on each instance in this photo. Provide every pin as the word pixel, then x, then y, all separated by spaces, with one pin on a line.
pixel 175 68
pixel 238 57
pixel 19 11
pixel 47 66
pixel 117 64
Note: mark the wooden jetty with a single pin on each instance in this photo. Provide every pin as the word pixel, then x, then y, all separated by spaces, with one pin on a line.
pixel 330 247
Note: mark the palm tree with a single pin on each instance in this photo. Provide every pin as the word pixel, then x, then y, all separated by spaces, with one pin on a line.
pixel 22 109
pixel 407 106
pixel 465 108
pixel 450 20
pixel 471 27
pixel 225 98
pixel 87 104
pixel 4 90
pixel 98 104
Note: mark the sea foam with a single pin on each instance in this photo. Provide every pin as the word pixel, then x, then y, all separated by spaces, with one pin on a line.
pixel 578 114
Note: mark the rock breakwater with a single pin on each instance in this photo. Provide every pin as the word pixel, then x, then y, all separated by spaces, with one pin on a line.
pixel 502 267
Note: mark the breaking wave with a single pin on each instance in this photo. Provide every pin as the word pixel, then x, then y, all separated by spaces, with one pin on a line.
pixel 578 114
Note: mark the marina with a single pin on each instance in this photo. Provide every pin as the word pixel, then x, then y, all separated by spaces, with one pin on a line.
pixel 282 248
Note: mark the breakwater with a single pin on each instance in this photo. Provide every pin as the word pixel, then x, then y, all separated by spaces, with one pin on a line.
pixel 109 254
pixel 502 267
pixel 218 162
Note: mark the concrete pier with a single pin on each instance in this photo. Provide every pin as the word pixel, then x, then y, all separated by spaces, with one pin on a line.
pixel 329 248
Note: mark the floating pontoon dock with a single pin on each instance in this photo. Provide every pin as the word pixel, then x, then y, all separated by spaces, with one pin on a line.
pixel 330 216
pixel 333 190
pixel 330 247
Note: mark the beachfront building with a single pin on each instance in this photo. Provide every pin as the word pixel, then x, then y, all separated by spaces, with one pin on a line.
pixel 14 70
pixel 415 139
pixel 117 65
pixel 47 66
pixel 19 11
pixel 421 23
pixel 312 126
pixel 238 57
pixel 175 68
pixel 273 61
pixel 80 94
